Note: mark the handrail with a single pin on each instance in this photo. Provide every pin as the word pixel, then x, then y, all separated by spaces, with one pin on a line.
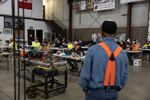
pixel 57 21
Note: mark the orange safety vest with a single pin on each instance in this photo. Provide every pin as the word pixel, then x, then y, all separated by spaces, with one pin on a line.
pixel 109 78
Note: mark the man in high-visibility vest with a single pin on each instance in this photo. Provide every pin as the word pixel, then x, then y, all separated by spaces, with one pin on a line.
pixel 147 45
pixel 36 44
pixel 105 71
pixel 13 44
pixel 70 46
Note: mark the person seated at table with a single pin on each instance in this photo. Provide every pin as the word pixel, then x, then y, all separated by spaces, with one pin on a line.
pixel 77 49
pixel 123 45
pixel 81 43
pixel 128 41
pixel 96 37
pixel 146 45
pixel 13 44
pixel 45 45
pixel 64 45
pixel 75 52
pixel 58 43
pixel 91 43
pixel 63 40
pixel 128 48
pixel 135 46
pixel 36 44
pixel 70 46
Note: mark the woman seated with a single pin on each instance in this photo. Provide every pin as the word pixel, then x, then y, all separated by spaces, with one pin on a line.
pixel 135 46
pixel 77 49
pixel 45 45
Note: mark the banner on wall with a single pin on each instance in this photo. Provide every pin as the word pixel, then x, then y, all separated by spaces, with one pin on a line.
pixel 5 7
pixel 8 23
pixel 104 5
pixel 129 1
pixel 7 31
pixel 83 5
pixel 27 4
pixel 148 37
pixel 89 5
pixel 3 1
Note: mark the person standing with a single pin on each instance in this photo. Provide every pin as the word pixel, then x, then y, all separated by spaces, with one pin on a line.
pixel 105 68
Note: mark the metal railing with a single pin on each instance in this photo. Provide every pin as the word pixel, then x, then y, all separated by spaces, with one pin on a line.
pixel 59 22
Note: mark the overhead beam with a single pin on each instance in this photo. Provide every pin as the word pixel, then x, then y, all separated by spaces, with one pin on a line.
pixel 70 21
pixel 129 20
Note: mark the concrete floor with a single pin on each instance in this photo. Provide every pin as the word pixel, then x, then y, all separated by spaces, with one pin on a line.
pixel 137 88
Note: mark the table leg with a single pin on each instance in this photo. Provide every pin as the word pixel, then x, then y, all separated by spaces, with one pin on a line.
pixel 7 63
pixel 76 66
pixel 66 78
pixel 33 77
pixel 46 87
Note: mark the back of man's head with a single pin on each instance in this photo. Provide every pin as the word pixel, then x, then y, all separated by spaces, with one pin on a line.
pixel 109 27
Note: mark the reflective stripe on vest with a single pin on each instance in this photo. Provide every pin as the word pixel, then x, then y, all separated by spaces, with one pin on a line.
pixel 109 78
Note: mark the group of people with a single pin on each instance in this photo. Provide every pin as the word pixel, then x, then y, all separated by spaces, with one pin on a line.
pixel 45 45
pixel 35 45
pixel 105 69
pixel 60 42
pixel 134 45
pixel 130 46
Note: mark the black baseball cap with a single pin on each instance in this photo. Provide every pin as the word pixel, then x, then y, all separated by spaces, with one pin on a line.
pixel 110 27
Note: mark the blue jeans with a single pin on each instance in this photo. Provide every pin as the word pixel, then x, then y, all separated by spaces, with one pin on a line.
pixel 101 95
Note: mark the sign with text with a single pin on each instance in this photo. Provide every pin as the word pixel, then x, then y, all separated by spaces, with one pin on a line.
pixel 104 5
pixel 26 4
pixel 129 1
pixel 83 5
pixel 3 1
pixel 8 22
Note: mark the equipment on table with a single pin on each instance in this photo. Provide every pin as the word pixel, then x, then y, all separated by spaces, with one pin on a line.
pixel 31 91
pixel 35 54
pixel 50 84
pixel 40 70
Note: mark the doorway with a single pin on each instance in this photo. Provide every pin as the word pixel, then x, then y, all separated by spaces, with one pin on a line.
pixel 39 35
pixel 31 36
